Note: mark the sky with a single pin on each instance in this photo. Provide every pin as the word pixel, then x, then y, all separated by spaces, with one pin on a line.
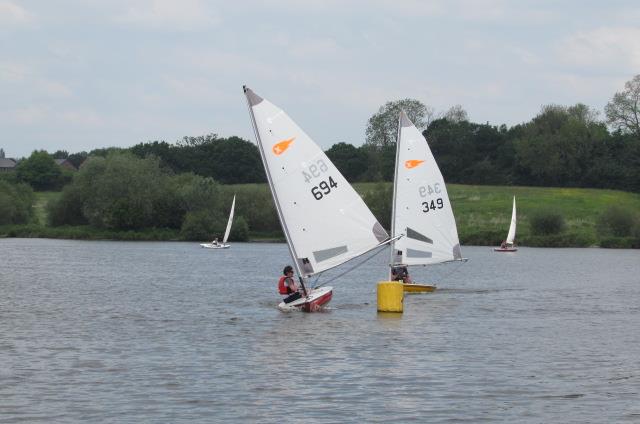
pixel 87 74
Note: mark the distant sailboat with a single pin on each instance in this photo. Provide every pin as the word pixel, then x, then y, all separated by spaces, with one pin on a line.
pixel 325 222
pixel 215 244
pixel 509 245
pixel 421 208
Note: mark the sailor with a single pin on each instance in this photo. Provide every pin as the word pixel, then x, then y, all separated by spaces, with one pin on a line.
pixel 287 285
pixel 400 273
pixel 215 241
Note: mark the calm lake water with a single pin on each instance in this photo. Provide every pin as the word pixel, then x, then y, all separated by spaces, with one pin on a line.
pixel 169 332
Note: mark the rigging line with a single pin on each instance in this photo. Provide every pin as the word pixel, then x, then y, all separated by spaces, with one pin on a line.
pixel 447 276
pixel 352 268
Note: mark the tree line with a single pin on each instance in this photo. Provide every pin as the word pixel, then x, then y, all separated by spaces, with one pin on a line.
pixel 176 185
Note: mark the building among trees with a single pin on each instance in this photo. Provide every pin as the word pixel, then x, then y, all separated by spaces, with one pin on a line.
pixel 7 165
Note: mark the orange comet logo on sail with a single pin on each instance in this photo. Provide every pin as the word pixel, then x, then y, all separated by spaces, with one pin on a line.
pixel 280 147
pixel 412 163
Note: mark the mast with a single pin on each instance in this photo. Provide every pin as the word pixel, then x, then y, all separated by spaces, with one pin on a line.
pixel 393 201
pixel 292 251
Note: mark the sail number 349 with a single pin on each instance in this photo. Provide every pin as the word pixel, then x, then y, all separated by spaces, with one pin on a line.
pixel 433 205
pixel 428 191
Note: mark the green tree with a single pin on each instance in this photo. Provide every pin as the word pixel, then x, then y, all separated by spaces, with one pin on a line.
pixel 379 200
pixel 382 127
pixel 617 222
pixel 557 147
pixel 40 171
pixel 228 160
pixel 350 161
pixel 234 161
pixel 545 222
pixel 117 192
pixel 16 203
pixel 623 111
pixel 239 229
pixel 77 159
pixel 456 114
pixel 202 225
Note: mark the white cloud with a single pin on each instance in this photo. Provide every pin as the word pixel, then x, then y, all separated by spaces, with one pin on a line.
pixel 12 72
pixel 43 115
pixel 185 15
pixel 54 88
pixel 195 89
pixel 28 116
pixel 81 118
pixel 11 13
pixel 606 47
pixel 28 81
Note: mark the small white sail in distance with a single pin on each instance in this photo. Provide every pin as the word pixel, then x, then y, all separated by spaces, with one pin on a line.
pixel 228 230
pixel 421 207
pixel 512 228
pixel 325 221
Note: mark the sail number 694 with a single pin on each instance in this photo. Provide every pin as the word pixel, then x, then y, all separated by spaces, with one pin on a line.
pixel 323 188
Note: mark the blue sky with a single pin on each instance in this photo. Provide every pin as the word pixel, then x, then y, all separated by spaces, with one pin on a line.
pixel 79 75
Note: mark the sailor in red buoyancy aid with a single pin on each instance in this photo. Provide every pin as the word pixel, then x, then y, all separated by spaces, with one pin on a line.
pixel 287 285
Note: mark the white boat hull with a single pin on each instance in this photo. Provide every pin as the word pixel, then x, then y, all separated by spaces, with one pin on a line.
pixel 215 246
pixel 505 249
pixel 315 300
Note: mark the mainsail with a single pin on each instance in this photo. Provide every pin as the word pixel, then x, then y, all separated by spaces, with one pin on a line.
pixel 226 232
pixel 512 228
pixel 325 221
pixel 421 207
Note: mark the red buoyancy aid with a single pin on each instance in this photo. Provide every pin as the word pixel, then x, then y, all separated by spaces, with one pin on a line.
pixel 282 287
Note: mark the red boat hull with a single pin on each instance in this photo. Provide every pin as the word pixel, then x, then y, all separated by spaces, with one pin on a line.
pixel 316 304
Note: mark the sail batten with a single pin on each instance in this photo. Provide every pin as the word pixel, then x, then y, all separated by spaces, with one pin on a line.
pixel 326 222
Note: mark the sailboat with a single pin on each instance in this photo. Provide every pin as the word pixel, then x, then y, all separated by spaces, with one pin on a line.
pixel 325 222
pixel 421 208
pixel 508 245
pixel 215 244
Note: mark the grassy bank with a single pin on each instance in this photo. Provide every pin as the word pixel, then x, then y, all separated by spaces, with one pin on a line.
pixel 482 214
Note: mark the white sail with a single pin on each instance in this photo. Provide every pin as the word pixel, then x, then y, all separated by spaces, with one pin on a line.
pixel 325 221
pixel 226 232
pixel 421 207
pixel 512 228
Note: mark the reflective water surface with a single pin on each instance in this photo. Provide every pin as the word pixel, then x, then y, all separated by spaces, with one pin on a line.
pixel 170 332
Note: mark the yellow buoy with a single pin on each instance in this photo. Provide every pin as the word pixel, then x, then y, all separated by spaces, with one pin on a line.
pixel 390 296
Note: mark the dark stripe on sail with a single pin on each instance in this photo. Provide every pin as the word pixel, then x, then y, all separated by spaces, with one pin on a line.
pixel 413 253
pixel 305 266
pixel 413 234
pixel 254 99
pixel 323 255
pixel 379 232
pixel 457 253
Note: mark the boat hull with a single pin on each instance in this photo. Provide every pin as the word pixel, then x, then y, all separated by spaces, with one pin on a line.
pixel 315 301
pixel 418 288
pixel 215 246
pixel 505 249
